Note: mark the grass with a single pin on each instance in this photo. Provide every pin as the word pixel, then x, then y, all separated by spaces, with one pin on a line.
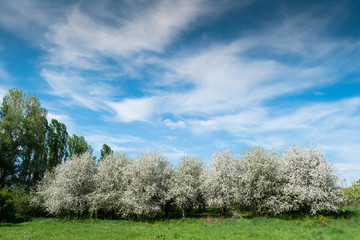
pixel 192 228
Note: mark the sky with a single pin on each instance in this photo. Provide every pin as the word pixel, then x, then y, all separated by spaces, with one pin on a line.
pixel 193 76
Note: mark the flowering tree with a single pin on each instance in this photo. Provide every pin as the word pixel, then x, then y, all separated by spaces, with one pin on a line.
pixel 67 189
pixel 310 181
pixel 110 184
pixel 185 184
pixel 218 182
pixel 148 188
pixel 258 181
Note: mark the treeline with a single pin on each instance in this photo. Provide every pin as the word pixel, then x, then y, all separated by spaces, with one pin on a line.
pixel 29 145
pixel 263 182
pixel 44 170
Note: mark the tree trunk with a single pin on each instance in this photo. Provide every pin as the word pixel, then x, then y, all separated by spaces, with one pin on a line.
pixel 183 212
pixel 223 211
pixel 199 209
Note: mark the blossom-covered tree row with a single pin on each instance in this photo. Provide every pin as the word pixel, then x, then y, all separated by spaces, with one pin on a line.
pixel 266 183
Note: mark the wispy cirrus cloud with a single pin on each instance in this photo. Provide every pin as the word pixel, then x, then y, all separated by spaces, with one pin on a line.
pixel 2 93
pixel 117 142
pixel 65 119
pixel 195 67
pixel 87 43
pixel 141 29
pixel 5 76
pixel 231 78
pixel 87 92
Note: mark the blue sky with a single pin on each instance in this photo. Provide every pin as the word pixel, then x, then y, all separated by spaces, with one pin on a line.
pixel 190 77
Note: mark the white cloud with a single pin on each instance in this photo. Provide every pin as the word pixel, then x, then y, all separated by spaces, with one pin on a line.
pixel 60 117
pixel 91 48
pixel 174 125
pixel 63 118
pixel 204 126
pixel 82 37
pixel 30 18
pixel 3 92
pixel 117 142
pixel 350 171
pixel 5 76
pixel 170 138
pixel 130 110
pixel 112 139
pixel 84 92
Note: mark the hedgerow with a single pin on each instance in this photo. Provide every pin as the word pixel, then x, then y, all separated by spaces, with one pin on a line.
pixel 260 181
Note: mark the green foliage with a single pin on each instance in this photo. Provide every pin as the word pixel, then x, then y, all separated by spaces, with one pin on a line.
pixel 8 156
pixel 105 151
pixel 77 146
pixel 352 194
pixel 6 206
pixel 23 210
pixel 23 128
pixel 57 143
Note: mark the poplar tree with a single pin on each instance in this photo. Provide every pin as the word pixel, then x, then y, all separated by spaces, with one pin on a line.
pixel 23 135
pixel 105 151
pixel 57 143
pixel 77 145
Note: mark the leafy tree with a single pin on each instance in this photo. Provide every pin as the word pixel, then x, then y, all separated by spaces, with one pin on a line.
pixel 9 152
pixel 57 143
pixel 148 189
pixel 23 210
pixel 352 194
pixel 68 189
pixel 11 130
pixel 258 181
pixel 105 151
pixel 185 184
pixel 310 183
pixel 7 210
pixel 23 131
pixel 219 180
pixel 77 145
pixel 110 184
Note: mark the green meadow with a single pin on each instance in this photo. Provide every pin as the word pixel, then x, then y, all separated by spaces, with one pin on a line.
pixel 190 228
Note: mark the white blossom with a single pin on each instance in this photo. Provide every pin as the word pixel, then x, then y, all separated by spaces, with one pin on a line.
pixel 148 188
pixel 110 184
pixel 310 181
pixel 257 181
pixel 67 190
pixel 185 187
pixel 218 180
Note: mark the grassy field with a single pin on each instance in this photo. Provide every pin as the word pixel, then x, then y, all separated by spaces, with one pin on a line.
pixel 193 228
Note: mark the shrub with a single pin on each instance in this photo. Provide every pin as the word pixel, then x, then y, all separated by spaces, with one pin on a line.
pixel 147 192
pixel 310 183
pixel 352 194
pixel 258 181
pixel 185 184
pixel 68 189
pixel 23 210
pixel 218 182
pixel 7 210
pixel 110 184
